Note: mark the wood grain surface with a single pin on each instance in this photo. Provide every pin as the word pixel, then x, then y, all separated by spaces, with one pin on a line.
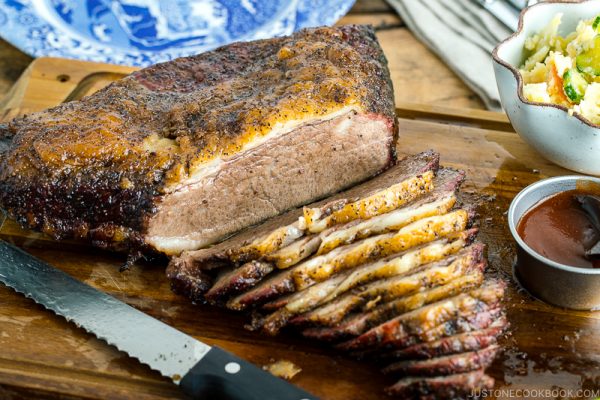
pixel 43 356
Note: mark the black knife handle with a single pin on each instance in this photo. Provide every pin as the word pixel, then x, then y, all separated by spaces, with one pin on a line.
pixel 220 375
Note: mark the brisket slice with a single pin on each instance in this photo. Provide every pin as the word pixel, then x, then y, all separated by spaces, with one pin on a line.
pixel 468 322
pixel 358 323
pixel 187 270
pixel 422 277
pixel 353 255
pixel 399 331
pixel 238 280
pixel 403 192
pixel 439 201
pixel 457 386
pixel 445 184
pixel 278 283
pixel 317 219
pixel 431 275
pixel 464 342
pixel 398 264
pixel 338 303
pixel 182 154
pixel 409 208
pixel 320 268
pixel 363 320
pixel 295 252
pixel 446 365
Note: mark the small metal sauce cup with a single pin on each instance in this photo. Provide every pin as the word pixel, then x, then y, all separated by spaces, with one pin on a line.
pixel 555 283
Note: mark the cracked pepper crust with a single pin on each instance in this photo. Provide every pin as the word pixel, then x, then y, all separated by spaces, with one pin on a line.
pixel 96 168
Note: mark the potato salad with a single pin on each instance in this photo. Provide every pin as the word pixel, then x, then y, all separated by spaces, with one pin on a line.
pixel 565 70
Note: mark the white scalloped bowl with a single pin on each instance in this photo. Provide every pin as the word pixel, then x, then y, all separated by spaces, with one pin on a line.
pixel 570 141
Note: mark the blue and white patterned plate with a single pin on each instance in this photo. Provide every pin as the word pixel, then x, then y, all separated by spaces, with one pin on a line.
pixel 144 32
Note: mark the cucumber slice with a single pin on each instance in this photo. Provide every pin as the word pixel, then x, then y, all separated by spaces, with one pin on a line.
pixel 574 85
pixel 596 24
pixel 588 62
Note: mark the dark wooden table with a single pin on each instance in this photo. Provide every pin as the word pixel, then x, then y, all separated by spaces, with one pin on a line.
pixel 547 348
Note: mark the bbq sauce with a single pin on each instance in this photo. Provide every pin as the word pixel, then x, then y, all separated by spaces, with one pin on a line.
pixel 560 229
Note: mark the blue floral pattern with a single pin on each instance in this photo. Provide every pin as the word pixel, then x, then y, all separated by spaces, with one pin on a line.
pixel 144 32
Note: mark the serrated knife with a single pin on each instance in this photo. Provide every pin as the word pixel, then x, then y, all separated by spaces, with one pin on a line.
pixel 202 371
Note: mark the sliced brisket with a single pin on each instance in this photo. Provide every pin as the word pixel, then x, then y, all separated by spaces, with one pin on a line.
pixel 458 386
pixel 446 365
pixel 420 321
pixel 397 265
pixel 359 323
pixel 283 230
pixel 320 268
pixel 238 280
pixel 432 275
pixel 401 282
pixel 436 202
pixel 464 342
pixel 469 321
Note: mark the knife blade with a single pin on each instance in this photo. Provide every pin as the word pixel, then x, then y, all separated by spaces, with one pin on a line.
pixel 202 371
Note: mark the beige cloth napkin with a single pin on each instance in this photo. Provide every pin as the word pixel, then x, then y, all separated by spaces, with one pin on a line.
pixel 463 34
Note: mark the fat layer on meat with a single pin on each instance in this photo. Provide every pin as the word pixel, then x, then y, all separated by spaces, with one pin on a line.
pixel 446 365
pixel 187 272
pixel 384 201
pixel 295 252
pixel 447 387
pixel 388 267
pixel 461 343
pixel 435 274
pixel 437 202
pixel 238 280
pixel 334 237
pixel 270 242
pixel 347 257
pixel 394 265
pixel 420 321
pixel 357 324
pixel 422 231
pixel 389 222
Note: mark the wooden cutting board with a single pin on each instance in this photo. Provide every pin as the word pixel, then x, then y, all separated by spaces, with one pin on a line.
pixel 42 355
